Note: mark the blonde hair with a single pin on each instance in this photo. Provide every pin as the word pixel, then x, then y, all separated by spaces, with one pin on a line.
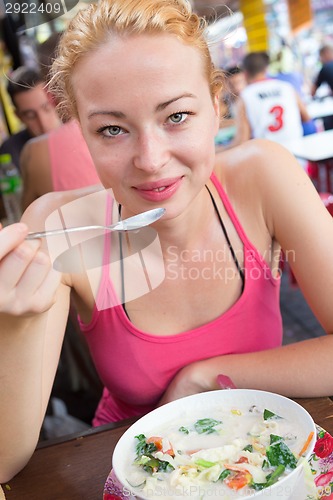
pixel 94 25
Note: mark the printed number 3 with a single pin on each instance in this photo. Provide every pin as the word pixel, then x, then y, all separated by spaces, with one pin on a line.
pixel 277 112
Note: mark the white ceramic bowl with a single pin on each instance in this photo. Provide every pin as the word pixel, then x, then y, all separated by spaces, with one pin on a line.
pixel 200 405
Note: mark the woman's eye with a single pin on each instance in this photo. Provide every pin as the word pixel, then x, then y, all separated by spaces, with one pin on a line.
pixel 178 117
pixel 112 131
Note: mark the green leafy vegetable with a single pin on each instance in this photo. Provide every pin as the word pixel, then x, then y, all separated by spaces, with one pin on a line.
pixel 183 430
pixel 270 478
pixel 225 473
pixel 274 476
pixel 146 460
pixel 157 465
pixel 204 463
pixel 206 425
pixel 249 448
pixel 278 453
pixel 269 414
pixel 142 447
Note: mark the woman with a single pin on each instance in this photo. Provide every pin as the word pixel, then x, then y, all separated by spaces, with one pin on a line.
pixel 138 76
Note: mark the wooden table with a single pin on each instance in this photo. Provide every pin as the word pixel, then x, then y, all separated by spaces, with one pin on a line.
pixel 76 467
pixel 317 149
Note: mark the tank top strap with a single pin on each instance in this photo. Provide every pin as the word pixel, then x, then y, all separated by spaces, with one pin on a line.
pixel 225 232
pixel 233 217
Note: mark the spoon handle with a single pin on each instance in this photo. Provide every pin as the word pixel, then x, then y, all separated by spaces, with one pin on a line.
pixel 54 232
pixel 130 224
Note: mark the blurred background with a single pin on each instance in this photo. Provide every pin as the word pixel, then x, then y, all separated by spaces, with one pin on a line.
pixel 296 27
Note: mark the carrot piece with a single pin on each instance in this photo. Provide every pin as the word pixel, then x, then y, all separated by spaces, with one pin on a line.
pixel 306 444
pixel 238 480
pixel 158 442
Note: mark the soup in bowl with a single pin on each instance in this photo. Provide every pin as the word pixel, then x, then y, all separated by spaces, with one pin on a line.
pixel 230 444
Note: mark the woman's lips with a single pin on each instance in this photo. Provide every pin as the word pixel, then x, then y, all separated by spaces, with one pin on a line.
pixel 159 190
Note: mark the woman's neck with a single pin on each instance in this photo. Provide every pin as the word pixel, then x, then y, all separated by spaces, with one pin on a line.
pixel 196 228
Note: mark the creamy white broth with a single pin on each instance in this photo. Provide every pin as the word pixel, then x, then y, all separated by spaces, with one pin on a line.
pixel 200 458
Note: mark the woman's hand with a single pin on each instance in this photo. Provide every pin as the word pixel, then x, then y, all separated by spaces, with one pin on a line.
pixel 186 382
pixel 28 282
pixel 197 377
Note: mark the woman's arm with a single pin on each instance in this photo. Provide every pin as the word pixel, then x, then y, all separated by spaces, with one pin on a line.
pixel 302 369
pixel 294 216
pixel 33 315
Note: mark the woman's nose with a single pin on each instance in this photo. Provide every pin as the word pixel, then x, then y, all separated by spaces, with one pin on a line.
pixel 151 152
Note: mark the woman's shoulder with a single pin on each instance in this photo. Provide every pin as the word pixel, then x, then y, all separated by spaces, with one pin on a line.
pixel 260 177
pixel 252 153
pixel 253 163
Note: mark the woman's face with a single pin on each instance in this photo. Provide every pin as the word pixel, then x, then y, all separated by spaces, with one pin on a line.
pixel 149 121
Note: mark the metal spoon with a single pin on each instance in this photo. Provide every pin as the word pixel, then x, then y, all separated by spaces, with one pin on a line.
pixel 135 222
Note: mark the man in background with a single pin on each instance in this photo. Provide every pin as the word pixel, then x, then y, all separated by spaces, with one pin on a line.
pixel 267 108
pixel 234 84
pixel 34 107
pixel 325 75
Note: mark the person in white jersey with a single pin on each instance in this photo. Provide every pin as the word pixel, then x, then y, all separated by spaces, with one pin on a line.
pixel 267 108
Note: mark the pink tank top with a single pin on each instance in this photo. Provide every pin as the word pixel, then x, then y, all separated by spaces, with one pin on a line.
pixel 71 164
pixel 136 367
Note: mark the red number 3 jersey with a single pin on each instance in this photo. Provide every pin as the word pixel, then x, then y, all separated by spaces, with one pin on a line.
pixel 272 110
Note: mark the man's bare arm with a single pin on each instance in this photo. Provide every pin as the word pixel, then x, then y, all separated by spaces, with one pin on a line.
pixel 35 169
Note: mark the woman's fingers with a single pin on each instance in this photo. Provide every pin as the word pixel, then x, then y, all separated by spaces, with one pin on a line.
pixel 27 280
pixel 46 282
pixel 15 262
pixel 11 236
pixel 34 273
pixel 225 382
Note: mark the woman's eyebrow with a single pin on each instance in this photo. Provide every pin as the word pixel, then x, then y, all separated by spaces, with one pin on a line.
pixel 116 114
pixel 164 105
pixel 159 107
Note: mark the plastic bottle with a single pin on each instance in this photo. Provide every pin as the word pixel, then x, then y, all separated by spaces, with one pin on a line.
pixel 3 212
pixel 11 189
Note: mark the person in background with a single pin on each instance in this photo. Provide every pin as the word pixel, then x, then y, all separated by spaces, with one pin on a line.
pixel 284 67
pixel 216 308
pixel 234 84
pixel 33 106
pixel 325 75
pixel 267 108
